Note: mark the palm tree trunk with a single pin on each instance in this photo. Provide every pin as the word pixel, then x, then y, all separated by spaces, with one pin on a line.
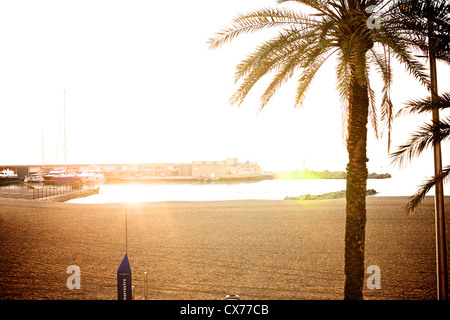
pixel 356 191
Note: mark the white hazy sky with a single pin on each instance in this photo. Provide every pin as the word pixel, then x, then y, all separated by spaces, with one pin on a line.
pixel 142 86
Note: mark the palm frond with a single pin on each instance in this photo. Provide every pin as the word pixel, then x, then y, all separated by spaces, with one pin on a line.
pixel 257 20
pixel 344 82
pixel 403 54
pixel 285 72
pixel 382 63
pixel 427 135
pixel 276 49
pixel 424 188
pixel 314 62
pixel 259 64
pixel 308 75
pixel 323 7
pixel 418 106
pixel 413 19
pixel 290 50
pixel 373 109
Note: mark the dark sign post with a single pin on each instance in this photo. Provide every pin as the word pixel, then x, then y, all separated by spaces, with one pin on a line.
pixel 124 288
pixel 124 280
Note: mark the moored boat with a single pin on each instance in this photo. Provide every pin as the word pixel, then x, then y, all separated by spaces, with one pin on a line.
pixel 92 175
pixel 59 177
pixel 34 177
pixel 8 176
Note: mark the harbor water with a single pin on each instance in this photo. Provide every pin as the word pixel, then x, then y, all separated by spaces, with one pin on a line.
pixel 134 192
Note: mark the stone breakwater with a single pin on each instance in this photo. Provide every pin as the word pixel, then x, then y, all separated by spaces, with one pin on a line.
pixel 328 195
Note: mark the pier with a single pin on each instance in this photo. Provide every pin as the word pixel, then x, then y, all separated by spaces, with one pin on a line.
pixel 55 193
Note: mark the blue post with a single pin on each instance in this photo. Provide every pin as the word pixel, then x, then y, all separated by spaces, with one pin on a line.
pixel 124 280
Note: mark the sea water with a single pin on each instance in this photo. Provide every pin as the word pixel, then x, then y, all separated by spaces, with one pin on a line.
pixel 276 189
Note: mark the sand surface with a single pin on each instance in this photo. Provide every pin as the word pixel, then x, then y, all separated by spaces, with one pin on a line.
pixel 206 250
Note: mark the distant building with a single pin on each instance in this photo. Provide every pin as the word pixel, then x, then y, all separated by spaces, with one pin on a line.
pixel 229 169
pixel 147 170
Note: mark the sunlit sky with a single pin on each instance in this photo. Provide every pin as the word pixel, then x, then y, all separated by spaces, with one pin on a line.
pixel 142 87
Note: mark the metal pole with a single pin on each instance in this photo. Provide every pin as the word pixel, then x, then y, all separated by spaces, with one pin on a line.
pixel 43 147
pixel 65 146
pixel 126 231
pixel 145 285
pixel 441 250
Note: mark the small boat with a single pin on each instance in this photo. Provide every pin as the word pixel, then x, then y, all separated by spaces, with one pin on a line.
pixel 8 176
pixel 92 175
pixel 59 177
pixel 34 177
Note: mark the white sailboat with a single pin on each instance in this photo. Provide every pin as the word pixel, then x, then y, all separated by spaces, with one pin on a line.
pixel 61 176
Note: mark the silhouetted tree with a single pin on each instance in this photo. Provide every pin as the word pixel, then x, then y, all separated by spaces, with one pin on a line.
pixel 359 34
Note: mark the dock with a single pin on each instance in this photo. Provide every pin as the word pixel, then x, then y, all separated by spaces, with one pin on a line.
pixel 16 193
pixel 44 194
pixel 74 195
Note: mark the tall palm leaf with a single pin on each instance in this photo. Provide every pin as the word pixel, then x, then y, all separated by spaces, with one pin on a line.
pixel 428 135
pixel 301 47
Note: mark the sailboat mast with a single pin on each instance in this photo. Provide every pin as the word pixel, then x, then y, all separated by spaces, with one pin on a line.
pixel 126 231
pixel 65 148
pixel 42 137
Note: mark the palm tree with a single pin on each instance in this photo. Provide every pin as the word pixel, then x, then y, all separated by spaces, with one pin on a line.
pixel 429 25
pixel 304 43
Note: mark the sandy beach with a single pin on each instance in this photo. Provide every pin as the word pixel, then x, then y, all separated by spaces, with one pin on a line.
pixel 206 250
